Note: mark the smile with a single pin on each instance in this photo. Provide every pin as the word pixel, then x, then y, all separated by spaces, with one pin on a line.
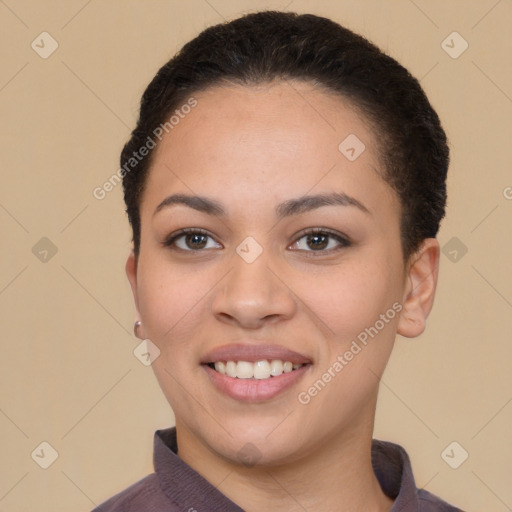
pixel 259 370
pixel 254 372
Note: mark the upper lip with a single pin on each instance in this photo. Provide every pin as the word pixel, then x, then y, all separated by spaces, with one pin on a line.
pixel 253 353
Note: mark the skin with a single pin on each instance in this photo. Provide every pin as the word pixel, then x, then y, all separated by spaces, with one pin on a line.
pixel 251 149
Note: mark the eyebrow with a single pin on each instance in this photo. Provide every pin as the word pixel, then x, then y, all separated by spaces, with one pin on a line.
pixel 285 209
pixel 201 204
pixel 308 203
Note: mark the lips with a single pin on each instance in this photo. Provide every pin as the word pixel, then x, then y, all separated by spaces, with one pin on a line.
pixel 254 373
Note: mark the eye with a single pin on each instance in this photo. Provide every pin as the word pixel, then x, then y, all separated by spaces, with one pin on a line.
pixel 320 240
pixel 191 239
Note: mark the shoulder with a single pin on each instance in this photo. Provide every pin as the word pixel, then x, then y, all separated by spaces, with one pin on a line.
pixel 146 494
pixel 430 503
pixel 392 468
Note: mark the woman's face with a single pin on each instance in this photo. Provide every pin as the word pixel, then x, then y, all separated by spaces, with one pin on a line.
pixel 291 254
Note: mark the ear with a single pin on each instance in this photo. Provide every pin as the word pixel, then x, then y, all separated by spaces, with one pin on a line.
pixel 131 273
pixel 420 289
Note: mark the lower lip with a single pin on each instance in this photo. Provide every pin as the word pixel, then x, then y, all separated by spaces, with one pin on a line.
pixel 255 390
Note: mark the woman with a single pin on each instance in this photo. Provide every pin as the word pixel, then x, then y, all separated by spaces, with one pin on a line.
pixel 285 184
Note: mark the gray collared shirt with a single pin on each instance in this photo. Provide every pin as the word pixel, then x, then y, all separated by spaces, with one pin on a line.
pixel 176 487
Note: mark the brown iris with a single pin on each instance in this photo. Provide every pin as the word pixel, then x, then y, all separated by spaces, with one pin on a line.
pixel 196 241
pixel 317 241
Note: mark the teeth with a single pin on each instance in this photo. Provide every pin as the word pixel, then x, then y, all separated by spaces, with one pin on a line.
pixel 259 370
pixel 231 369
pixel 276 367
pixel 244 370
pixel 220 367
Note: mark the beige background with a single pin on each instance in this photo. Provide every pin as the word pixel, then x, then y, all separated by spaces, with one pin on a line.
pixel 67 372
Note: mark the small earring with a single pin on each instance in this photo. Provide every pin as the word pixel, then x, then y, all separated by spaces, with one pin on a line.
pixel 136 326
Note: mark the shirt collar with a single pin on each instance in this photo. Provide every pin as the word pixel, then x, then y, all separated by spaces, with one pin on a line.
pixel 180 482
pixel 186 487
pixel 393 470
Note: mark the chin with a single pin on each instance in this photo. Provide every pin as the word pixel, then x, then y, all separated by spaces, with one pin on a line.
pixel 257 445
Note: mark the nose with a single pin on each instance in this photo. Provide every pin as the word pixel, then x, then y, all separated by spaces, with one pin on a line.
pixel 253 295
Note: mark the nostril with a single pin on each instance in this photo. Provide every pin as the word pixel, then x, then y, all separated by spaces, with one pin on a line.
pixel 226 317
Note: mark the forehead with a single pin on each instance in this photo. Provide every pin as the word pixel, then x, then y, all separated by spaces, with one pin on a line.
pixel 281 139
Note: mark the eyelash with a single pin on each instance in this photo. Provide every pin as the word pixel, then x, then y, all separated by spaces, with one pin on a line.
pixel 343 240
pixel 171 239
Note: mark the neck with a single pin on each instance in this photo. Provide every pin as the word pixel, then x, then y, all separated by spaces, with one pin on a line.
pixel 335 474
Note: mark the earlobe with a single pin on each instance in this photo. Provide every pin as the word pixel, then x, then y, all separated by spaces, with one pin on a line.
pixel 419 293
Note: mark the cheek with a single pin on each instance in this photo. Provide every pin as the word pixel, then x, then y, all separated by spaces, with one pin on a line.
pixel 170 300
pixel 359 343
pixel 351 298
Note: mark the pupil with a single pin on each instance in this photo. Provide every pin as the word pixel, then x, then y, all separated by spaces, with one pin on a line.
pixel 196 241
pixel 317 242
